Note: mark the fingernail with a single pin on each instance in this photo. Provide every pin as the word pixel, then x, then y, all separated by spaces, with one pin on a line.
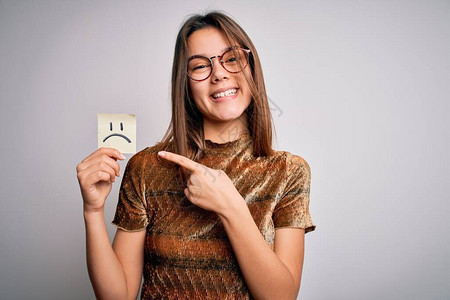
pixel 121 155
pixel 161 153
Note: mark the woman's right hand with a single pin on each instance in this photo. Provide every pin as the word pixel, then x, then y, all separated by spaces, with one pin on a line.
pixel 96 173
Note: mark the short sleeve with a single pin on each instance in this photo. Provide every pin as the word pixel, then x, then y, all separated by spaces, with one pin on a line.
pixel 131 212
pixel 292 210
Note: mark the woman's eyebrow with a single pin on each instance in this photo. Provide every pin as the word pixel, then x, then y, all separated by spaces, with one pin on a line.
pixel 227 48
pixel 222 51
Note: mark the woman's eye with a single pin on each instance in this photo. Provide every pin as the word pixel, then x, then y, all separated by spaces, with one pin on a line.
pixel 200 67
pixel 230 60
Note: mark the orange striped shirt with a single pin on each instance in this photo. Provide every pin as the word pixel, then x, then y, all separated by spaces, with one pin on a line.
pixel 187 251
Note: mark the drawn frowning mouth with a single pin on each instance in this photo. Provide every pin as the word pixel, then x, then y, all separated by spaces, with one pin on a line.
pixel 119 135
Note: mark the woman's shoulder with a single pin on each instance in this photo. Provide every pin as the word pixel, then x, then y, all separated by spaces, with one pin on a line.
pixel 289 158
pixel 292 162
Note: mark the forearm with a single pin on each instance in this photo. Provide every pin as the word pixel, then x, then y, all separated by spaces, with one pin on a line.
pixel 105 271
pixel 265 274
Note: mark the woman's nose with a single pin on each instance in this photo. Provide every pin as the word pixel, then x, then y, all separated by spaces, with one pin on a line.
pixel 218 72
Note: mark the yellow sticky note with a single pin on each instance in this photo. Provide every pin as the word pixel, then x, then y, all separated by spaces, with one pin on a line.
pixel 117 131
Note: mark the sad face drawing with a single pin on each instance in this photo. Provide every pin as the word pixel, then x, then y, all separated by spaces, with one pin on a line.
pixel 117 131
pixel 116 134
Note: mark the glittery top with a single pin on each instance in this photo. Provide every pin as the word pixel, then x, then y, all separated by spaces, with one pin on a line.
pixel 187 251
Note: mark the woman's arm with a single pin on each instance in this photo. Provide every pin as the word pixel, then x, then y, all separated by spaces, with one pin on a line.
pixel 115 271
pixel 268 274
pixel 129 249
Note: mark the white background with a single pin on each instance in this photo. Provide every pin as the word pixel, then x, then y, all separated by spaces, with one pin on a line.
pixel 360 89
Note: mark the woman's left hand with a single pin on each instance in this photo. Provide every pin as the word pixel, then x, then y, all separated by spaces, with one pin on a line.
pixel 207 188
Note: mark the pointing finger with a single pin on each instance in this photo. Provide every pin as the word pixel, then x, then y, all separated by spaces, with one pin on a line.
pixel 180 160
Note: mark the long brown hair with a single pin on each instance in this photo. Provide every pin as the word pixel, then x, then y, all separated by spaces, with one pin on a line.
pixel 185 130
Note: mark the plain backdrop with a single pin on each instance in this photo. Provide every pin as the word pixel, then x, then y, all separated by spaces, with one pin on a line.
pixel 359 89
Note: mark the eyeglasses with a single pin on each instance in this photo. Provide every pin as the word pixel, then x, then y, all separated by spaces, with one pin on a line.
pixel 234 60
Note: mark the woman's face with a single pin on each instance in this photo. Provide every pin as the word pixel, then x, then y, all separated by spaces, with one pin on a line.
pixel 209 97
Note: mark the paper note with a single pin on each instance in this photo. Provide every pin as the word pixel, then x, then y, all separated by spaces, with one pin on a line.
pixel 117 131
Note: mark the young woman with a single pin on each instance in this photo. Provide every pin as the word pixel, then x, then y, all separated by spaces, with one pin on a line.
pixel 212 211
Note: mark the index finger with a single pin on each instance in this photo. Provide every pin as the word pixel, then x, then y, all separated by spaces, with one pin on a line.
pixel 111 152
pixel 179 159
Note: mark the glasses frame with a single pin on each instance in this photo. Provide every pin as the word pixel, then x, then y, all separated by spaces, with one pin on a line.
pixel 220 60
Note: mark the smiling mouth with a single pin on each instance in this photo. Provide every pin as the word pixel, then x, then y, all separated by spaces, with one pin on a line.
pixel 119 135
pixel 224 94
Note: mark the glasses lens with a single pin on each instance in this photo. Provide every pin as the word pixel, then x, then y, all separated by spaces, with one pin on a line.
pixel 199 68
pixel 235 60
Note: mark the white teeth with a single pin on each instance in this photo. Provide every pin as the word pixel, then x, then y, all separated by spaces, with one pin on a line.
pixel 225 94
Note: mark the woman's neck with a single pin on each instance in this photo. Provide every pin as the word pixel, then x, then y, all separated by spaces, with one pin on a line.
pixel 223 132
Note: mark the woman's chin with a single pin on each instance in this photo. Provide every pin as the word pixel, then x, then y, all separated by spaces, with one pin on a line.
pixel 227 117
